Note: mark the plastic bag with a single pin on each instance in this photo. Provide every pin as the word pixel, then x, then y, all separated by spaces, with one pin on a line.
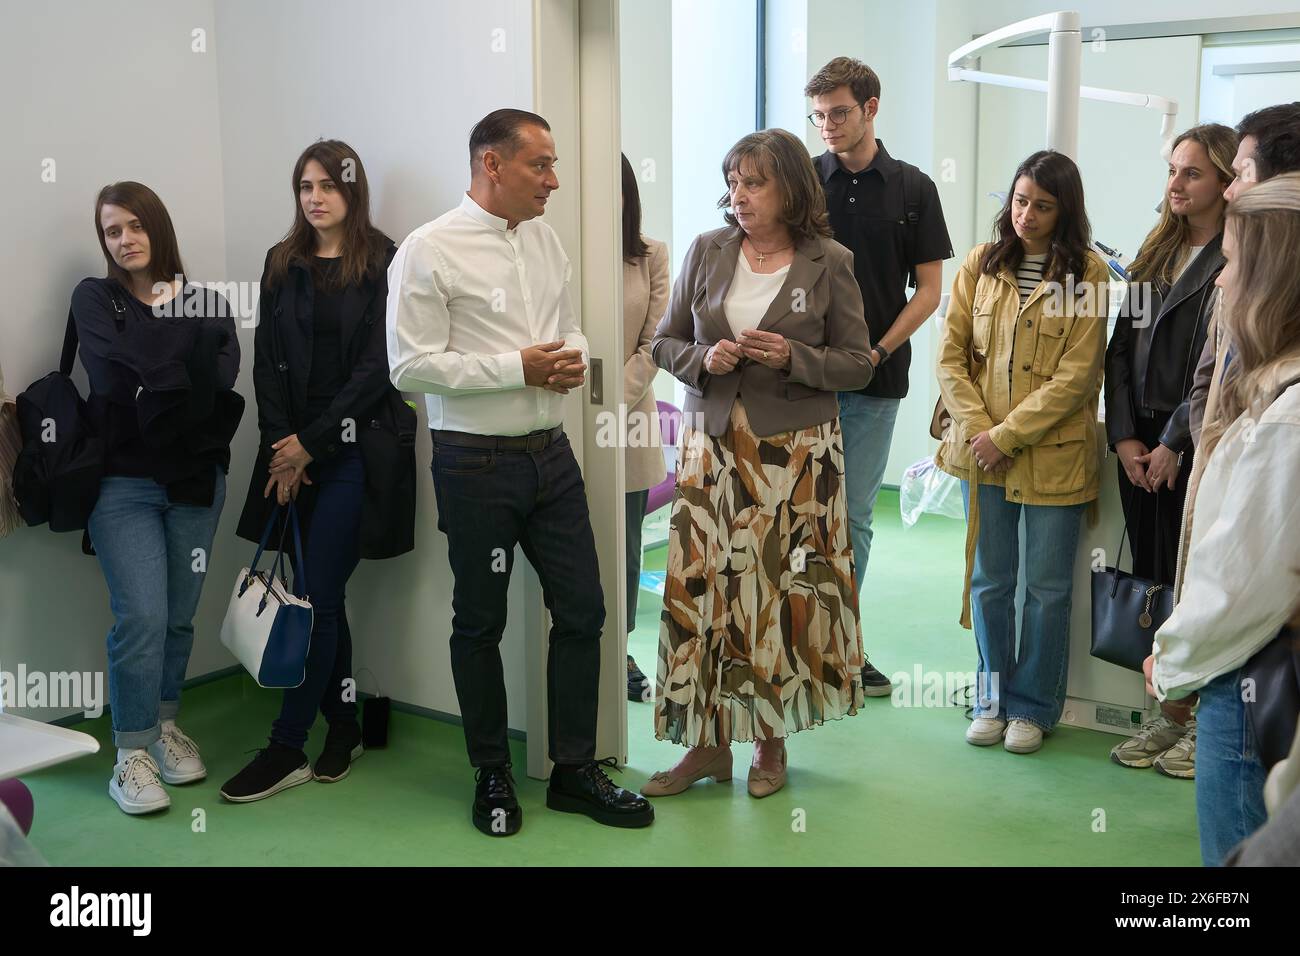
pixel 927 490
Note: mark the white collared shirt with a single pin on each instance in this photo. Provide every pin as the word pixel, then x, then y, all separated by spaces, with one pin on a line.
pixel 465 294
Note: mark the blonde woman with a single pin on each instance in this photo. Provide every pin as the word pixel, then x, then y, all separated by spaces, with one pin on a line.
pixel 1150 366
pixel 1238 584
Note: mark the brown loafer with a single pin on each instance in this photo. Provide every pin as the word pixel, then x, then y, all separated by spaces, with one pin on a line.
pixel 665 783
pixel 764 783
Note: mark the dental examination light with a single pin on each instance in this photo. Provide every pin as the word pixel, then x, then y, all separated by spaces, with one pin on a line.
pixel 1062 86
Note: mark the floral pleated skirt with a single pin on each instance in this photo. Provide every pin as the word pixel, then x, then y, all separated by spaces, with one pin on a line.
pixel 759 636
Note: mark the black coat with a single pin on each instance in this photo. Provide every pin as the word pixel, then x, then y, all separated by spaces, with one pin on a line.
pixel 1149 366
pixel 385 424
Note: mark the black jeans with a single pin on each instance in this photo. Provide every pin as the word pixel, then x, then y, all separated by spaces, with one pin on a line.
pixel 634 508
pixel 331 553
pixel 1154 520
pixel 489 501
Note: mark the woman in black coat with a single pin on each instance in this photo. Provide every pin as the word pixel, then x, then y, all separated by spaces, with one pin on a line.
pixel 1150 363
pixel 336 438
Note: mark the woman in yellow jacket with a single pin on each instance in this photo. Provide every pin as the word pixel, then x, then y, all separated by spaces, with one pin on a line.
pixel 1020 372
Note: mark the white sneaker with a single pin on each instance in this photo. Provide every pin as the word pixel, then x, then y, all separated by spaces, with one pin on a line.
pixel 1023 737
pixel 178 757
pixel 135 785
pixel 985 731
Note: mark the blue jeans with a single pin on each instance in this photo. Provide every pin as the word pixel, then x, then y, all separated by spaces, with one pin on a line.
pixel 1229 776
pixel 489 501
pixel 867 425
pixel 331 552
pixel 1029 684
pixel 147 549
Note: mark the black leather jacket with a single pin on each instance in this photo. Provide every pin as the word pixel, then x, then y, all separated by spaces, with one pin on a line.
pixel 1159 335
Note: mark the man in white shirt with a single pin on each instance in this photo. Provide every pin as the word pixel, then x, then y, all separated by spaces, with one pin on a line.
pixel 479 318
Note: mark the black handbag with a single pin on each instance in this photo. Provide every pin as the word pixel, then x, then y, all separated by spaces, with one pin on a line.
pixel 1126 613
pixel 1273 710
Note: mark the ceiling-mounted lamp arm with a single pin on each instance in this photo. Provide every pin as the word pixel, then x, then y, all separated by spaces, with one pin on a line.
pixel 1008 34
pixel 1058 24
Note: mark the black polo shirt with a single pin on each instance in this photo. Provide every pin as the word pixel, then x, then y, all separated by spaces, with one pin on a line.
pixel 868 212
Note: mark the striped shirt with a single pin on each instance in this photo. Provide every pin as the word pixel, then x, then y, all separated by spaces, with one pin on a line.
pixel 1029 275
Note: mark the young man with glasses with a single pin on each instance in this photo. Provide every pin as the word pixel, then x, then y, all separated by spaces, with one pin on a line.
pixel 887 213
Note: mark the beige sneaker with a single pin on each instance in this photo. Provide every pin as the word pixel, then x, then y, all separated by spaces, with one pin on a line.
pixel 1180 759
pixel 985 731
pixel 1022 737
pixel 1152 739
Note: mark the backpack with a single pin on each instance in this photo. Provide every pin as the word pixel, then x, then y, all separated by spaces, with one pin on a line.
pixel 911 214
pixel 57 474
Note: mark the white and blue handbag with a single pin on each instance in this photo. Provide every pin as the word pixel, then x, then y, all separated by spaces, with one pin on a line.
pixel 267 626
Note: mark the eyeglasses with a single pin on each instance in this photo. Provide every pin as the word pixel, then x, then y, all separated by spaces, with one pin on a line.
pixel 836 116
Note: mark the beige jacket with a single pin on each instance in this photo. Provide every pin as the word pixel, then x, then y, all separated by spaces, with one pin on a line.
pixel 1028 376
pixel 819 312
pixel 645 298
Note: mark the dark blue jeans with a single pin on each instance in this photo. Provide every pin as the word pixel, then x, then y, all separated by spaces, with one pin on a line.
pixel 331 552
pixel 489 501
pixel 634 511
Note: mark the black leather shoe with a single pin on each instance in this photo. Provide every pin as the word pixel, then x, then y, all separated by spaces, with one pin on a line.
pixel 637 682
pixel 585 789
pixel 496 811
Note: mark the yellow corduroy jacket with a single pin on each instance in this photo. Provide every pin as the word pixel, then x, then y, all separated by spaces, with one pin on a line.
pixel 1030 377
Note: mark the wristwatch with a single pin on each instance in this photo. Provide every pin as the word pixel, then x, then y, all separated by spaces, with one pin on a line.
pixel 884 354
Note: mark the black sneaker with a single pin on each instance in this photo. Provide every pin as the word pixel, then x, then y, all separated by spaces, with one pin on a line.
pixel 874 683
pixel 274 769
pixel 637 683
pixel 496 809
pixel 342 746
pixel 585 789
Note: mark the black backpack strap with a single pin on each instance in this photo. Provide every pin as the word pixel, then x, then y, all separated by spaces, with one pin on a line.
pixel 911 216
pixel 69 354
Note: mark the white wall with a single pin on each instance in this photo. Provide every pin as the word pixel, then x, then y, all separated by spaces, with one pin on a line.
pixel 646 116
pixel 402 83
pixel 126 98
pixel 713 82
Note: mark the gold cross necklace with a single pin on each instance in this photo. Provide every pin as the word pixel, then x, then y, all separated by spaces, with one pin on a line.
pixel 762 256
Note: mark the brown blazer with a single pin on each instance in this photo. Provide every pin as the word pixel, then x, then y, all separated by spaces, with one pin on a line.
pixel 818 310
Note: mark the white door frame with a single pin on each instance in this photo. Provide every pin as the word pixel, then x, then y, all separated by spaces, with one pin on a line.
pixel 576 88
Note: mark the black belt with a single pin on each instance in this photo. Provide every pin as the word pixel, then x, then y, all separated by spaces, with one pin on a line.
pixel 533 441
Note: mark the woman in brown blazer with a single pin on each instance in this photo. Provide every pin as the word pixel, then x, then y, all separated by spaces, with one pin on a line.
pixel 645 296
pixel 759 636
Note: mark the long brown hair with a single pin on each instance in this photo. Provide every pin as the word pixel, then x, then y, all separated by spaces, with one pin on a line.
pixel 634 246
pixel 1165 246
pixel 1261 310
pixel 777 154
pixel 1057 174
pixel 363 244
pixel 164 254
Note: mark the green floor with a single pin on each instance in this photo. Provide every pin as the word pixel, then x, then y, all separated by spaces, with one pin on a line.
pixel 891 786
